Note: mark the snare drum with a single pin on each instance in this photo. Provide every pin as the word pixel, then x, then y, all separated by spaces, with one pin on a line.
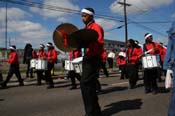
pixel 77 63
pixel 68 65
pixel 150 61
pixel 41 64
pixel 32 63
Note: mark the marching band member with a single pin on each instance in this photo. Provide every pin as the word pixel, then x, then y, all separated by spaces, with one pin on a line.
pixel 121 62
pixel 138 63
pixel 151 75
pixel 28 55
pixel 103 63
pixel 91 65
pixel 14 67
pixel 132 56
pixel 53 69
pixel 72 74
pixel 51 57
pixel 41 55
pixel 110 59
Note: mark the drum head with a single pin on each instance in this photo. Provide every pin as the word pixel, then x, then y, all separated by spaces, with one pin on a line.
pixel 58 36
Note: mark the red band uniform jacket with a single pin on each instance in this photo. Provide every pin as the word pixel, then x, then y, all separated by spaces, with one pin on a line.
pixel 13 59
pixel 95 48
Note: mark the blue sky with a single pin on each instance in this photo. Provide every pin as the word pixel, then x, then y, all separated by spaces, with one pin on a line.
pixel 35 25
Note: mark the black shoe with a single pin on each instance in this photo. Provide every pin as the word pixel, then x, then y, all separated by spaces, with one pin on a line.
pixel 154 92
pixel 3 85
pixel 21 84
pixel 50 87
pixel 132 86
pixel 160 80
pixel 31 77
pixel 147 91
pixel 73 87
pixel 38 84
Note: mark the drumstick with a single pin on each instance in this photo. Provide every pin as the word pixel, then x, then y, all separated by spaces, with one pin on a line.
pixel 148 51
pixel 145 52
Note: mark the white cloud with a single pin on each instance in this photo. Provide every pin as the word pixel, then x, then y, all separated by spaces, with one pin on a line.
pixel 138 5
pixel 13 14
pixel 63 19
pixel 23 26
pixel 106 24
pixel 59 6
pixel 29 32
pixel 20 30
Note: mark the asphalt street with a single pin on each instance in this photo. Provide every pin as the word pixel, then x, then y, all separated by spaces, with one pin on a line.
pixel 115 100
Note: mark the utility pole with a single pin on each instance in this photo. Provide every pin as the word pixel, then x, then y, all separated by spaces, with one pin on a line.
pixel 125 18
pixel 9 41
pixel 5 56
pixel 6 25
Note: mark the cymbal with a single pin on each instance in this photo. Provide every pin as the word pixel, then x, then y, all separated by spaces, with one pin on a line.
pixel 67 27
pixel 82 38
pixel 58 38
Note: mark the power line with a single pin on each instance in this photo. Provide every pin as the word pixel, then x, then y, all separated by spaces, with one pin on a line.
pixel 73 11
pixel 137 23
pixel 148 28
pixel 56 8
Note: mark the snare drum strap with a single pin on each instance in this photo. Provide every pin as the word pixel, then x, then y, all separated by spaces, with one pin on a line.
pixel 145 48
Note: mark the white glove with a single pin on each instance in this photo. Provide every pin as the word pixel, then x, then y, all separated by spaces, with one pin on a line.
pixel 168 79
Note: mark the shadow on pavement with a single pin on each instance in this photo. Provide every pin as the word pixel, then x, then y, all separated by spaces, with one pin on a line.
pixel 114 108
pixel 1 99
pixel 113 89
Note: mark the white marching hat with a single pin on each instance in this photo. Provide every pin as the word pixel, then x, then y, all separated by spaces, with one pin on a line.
pixel 13 47
pixel 49 44
pixel 147 35
pixel 89 11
